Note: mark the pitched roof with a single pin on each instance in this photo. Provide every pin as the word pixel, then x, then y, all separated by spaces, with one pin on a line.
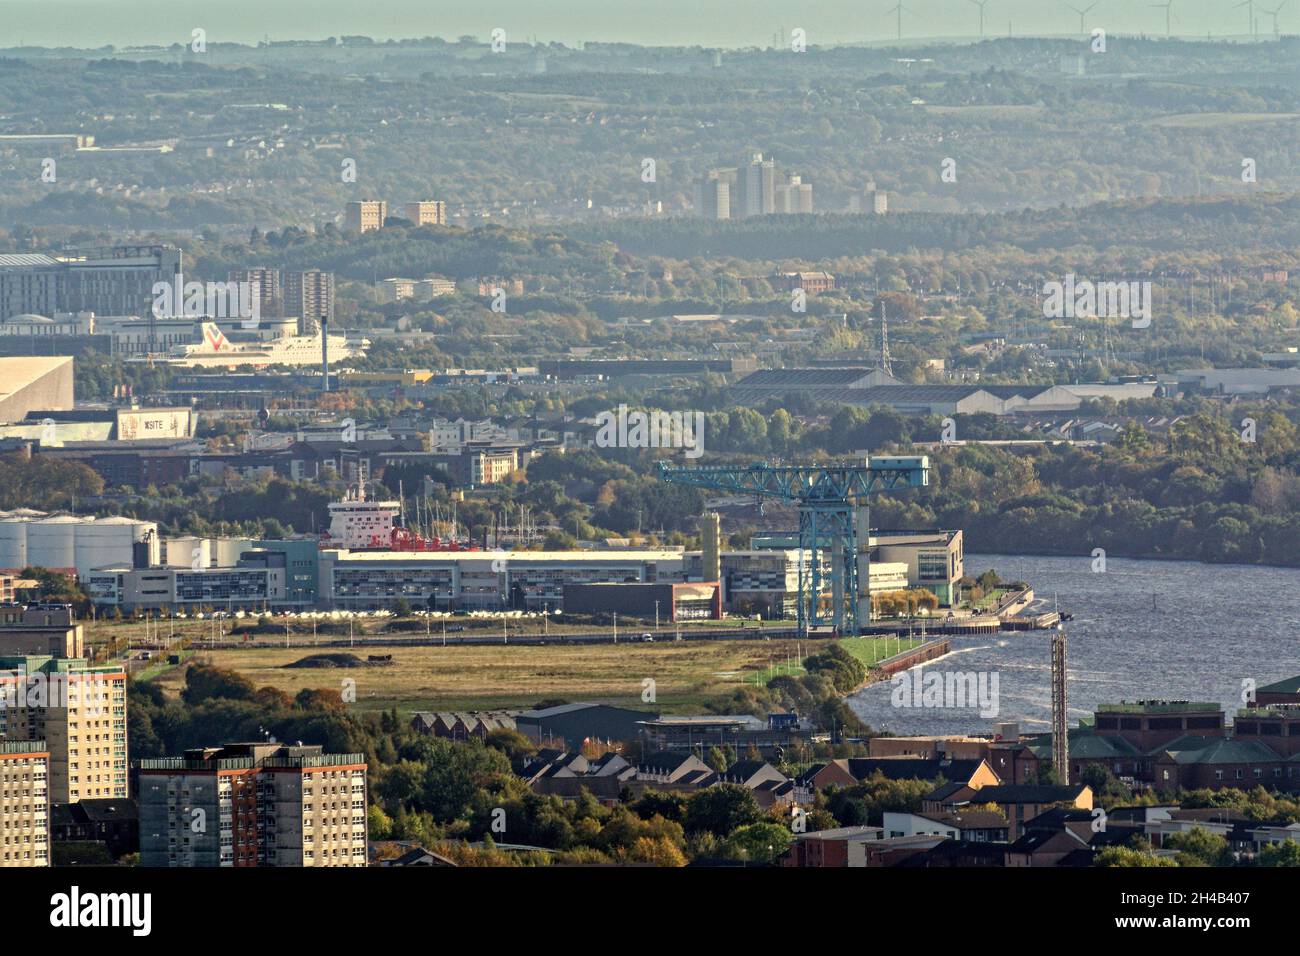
pixel 805 778
pixel 1290 685
pixel 1028 793
pixel 1219 750
pixel 744 769
pixel 913 768
pixel 969 819
pixel 1036 840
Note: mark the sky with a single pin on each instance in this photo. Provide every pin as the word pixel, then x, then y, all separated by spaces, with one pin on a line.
pixel 709 23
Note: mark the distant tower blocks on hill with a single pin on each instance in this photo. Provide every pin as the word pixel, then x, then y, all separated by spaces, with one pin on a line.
pixel 755 189
pixel 427 212
pixel 365 215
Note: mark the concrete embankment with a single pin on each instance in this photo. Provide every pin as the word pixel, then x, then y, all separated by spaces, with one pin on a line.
pixel 928 651
pixel 910 658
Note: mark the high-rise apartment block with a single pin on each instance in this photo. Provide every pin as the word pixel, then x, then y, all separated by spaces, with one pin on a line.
pixel 760 186
pixel 307 295
pixel 48 629
pixel 755 189
pixel 427 212
pixel 713 195
pixel 24 803
pixel 310 296
pixel 871 201
pixel 270 296
pixel 794 197
pixel 365 215
pixel 253 804
pixel 79 710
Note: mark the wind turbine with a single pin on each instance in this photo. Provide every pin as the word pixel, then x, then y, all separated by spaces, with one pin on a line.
pixel 1168 7
pixel 898 9
pixel 1273 13
pixel 981 4
pixel 1250 11
pixel 1082 13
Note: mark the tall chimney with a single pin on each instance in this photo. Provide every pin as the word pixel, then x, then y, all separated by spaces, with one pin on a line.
pixel 711 546
pixel 325 350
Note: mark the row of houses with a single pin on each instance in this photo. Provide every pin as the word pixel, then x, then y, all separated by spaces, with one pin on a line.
pixel 574 724
pixel 611 778
pixel 1059 836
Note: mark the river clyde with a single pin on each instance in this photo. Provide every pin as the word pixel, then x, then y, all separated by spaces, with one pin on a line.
pixel 1141 629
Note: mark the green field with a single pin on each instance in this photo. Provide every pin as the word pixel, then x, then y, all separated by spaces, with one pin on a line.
pixel 1211 120
pixel 685 674
pixel 873 650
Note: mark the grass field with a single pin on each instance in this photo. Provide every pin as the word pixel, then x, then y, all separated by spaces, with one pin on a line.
pixel 685 674
pixel 873 650
pixel 1211 120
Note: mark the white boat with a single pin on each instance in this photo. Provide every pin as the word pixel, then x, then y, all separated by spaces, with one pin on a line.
pixel 218 351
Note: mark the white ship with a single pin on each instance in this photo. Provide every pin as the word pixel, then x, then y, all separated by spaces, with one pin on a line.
pixel 218 351
pixel 356 523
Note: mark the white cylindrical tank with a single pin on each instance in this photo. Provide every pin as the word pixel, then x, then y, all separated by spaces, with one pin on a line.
pixel 226 551
pixel 181 552
pixel 52 543
pixel 13 543
pixel 109 542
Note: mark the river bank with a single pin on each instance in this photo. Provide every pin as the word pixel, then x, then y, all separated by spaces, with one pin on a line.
pixel 1141 629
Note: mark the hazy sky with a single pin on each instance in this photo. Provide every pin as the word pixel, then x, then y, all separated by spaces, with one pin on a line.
pixel 90 23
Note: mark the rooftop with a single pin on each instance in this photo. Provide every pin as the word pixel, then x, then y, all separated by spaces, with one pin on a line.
pixel 1158 707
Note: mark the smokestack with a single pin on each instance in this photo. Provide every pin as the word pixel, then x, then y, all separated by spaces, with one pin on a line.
pixel 711 546
pixel 325 350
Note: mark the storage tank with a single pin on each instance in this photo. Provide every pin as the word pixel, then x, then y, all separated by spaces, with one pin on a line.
pixel 180 552
pixel 108 542
pixel 13 542
pixel 52 543
pixel 226 551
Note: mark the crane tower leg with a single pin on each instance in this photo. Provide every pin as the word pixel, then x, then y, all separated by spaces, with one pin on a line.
pixel 862 548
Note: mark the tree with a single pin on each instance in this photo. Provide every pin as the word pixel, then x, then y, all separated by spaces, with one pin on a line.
pixel 722 809
pixel 204 682
pixel 716 759
pixel 1124 856
pixel 1200 847
pixel 761 843
pixel 659 851
pixel 1279 854
pixel 378 823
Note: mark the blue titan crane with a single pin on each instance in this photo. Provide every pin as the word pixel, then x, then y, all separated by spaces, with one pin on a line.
pixel 834 516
